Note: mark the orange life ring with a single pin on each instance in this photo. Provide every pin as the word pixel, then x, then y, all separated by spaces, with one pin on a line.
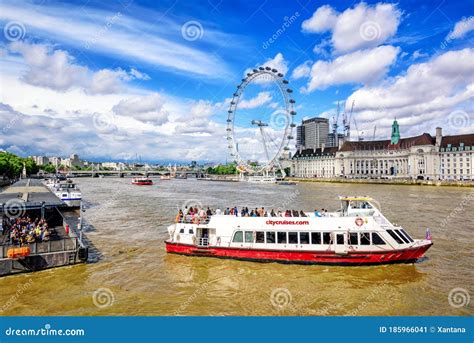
pixel 359 221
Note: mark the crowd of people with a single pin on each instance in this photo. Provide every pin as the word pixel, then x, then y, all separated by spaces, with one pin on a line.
pixel 194 214
pixel 25 230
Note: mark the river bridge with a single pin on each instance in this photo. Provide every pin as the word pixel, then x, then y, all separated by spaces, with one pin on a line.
pixel 131 173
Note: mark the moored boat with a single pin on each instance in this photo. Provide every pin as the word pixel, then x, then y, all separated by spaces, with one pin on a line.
pixel 67 191
pixel 357 234
pixel 142 181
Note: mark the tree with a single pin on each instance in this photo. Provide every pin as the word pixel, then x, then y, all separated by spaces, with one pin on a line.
pixel 11 166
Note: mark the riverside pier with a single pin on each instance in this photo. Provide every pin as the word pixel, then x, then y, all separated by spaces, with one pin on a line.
pixel 29 198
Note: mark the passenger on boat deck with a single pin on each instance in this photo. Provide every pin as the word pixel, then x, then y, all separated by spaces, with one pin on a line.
pixel 316 213
pixel 302 214
pixel 25 230
pixel 218 211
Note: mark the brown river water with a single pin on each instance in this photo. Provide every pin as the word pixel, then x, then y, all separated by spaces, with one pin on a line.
pixel 131 274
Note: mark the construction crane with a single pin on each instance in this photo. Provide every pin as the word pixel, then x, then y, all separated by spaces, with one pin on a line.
pixel 346 121
pixel 335 125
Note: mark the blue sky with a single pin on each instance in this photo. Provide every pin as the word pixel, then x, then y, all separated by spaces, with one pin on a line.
pixel 154 78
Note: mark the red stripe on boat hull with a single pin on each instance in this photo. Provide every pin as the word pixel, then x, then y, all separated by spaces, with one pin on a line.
pixel 408 255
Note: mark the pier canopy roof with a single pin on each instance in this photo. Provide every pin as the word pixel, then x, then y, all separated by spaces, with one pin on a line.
pixel 355 198
pixel 28 194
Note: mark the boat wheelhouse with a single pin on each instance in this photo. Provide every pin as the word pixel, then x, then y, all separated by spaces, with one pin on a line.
pixel 142 181
pixel 357 234
pixel 67 191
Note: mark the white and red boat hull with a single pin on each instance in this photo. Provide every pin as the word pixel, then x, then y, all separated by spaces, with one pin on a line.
pixel 355 258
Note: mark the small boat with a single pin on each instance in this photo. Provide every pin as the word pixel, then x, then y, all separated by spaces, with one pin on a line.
pixel 181 176
pixel 262 179
pixel 67 191
pixel 165 177
pixel 355 235
pixel 142 181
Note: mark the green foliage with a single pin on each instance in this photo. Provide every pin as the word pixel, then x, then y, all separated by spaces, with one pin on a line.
pixel 11 166
pixel 228 169
pixel 49 168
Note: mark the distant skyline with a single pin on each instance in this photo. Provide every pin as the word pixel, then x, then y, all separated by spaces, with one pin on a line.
pixel 112 80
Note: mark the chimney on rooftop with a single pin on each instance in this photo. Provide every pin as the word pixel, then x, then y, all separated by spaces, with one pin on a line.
pixel 439 136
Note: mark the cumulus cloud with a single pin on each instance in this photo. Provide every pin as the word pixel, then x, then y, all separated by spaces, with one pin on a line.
pixel 278 62
pixel 261 99
pixel 147 108
pixel 362 66
pixel 303 70
pixel 425 95
pixel 361 27
pixel 461 28
pixel 57 70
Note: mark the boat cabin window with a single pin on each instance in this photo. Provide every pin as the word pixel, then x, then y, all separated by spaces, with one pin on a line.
pixel 377 240
pixel 315 237
pixel 364 238
pixel 191 231
pixel 395 237
pixel 270 237
pixel 293 237
pixel 281 237
pixel 326 238
pixel 304 237
pixel 340 239
pixel 402 236
pixel 407 235
pixel 248 237
pixel 260 237
pixel 362 205
pixel 353 238
pixel 182 230
pixel 238 237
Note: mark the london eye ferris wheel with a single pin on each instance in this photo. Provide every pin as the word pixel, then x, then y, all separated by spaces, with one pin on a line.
pixel 274 133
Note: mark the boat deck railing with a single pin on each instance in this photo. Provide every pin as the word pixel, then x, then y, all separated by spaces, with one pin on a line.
pixel 63 244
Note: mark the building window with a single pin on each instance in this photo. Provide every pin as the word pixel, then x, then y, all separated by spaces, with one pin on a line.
pixel 238 237
pixel 281 237
pixel 315 237
pixel 304 237
pixel 270 237
pixel 260 237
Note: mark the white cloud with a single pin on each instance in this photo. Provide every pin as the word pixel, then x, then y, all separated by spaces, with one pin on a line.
pixel 278 62
pixel 423 97
pixel 55 69
pixel 361 27
pixel 303 70
pixel 358 67
pixel 116 34
pixel 323 19
pixel 147 108
pixel 461 28
pixel 261 99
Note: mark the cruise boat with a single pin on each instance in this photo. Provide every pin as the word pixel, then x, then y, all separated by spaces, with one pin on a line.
pixel 357 234
pixel 142 181
pixel 67 191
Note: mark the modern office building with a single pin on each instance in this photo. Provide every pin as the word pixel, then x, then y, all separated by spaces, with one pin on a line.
pixel 312 133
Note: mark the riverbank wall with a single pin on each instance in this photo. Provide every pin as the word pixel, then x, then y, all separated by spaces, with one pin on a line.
pixel 406 182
